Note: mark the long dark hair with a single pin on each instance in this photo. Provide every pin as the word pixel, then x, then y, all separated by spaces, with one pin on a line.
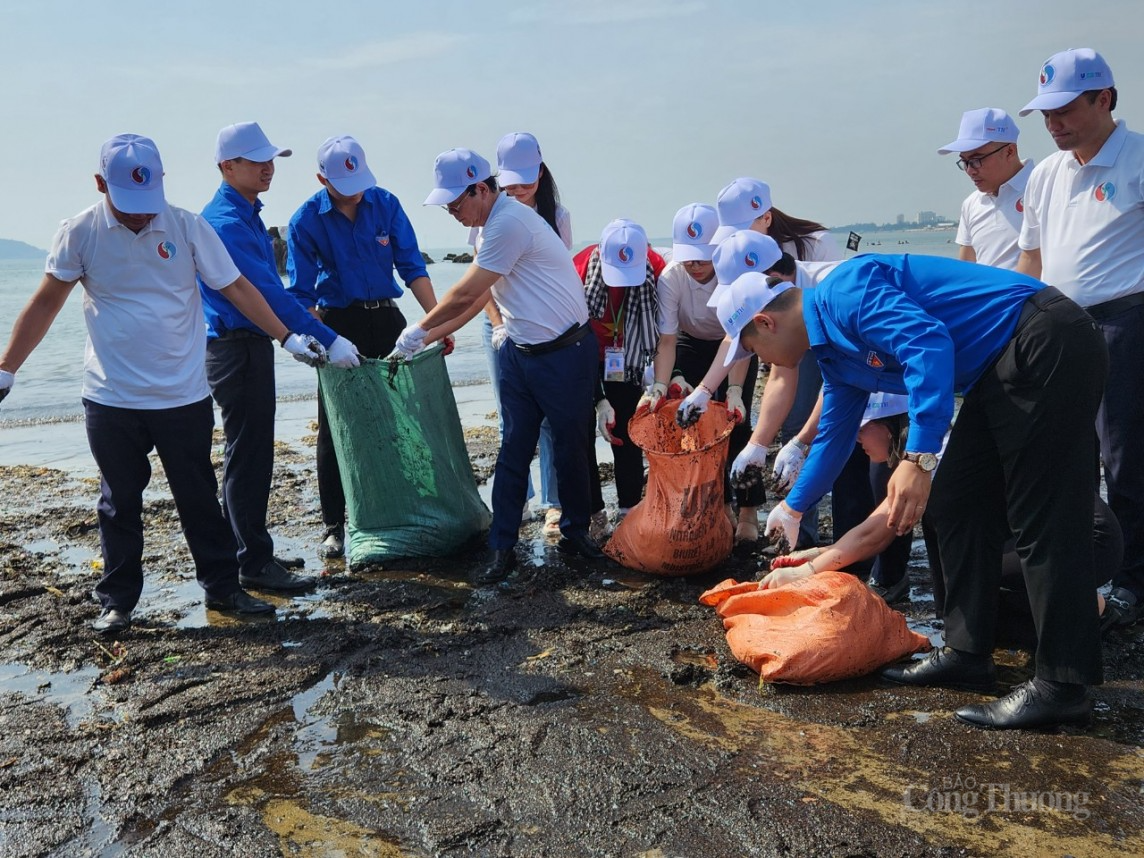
pixel 785 228
pixel 547 197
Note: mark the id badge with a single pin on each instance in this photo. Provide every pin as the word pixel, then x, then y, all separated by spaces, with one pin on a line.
pixel 613 364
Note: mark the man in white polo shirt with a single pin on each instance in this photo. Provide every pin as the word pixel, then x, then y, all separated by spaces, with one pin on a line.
pixel 548 365
pixel 991 216
pixel 145 384
pixel 1083 232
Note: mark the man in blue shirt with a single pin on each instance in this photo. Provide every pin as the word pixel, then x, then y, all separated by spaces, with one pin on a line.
pixel 240 357
pixel 344 244
pixel 1031 364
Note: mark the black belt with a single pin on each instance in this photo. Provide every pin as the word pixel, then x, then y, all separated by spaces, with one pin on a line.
pixel 375 304
pixel 242 334
pixel 1115 307
pixel 570 336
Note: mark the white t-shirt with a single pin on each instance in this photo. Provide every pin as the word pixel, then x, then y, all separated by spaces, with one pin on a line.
pixel 991 224
pixel 1088 220
pixel 146 334
pixel 820 247
pixel 563 229
pixel 683 304
pixel 540 295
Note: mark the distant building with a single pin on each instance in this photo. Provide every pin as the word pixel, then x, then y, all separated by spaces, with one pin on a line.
pixel 927 218
pixel 901 219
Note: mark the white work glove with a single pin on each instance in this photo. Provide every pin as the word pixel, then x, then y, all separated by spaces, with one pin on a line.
pixel 735 407
pixel 678 387
pixel 606 421
pixel 410 342
pixel 692 408
pixel 653 399
pixel 747 469
pixel 788 462
pixel 784 520
pixel 7 379
pixel 306 349
pixel 500 335
pixel 343 353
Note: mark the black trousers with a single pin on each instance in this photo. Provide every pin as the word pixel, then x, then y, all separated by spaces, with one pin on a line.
pixel 1019 459
pixel 628 458
pixel 375 333
pixel 120 440
pixel 240 371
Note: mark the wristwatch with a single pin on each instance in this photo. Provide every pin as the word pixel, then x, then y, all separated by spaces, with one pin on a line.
pixel 926 461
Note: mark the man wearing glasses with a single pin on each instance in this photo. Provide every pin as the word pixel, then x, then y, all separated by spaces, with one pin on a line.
pixel 548 365
pixel 1084 220
pixel 990 217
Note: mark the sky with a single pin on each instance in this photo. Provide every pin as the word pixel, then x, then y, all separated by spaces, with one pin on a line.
pixel 640 106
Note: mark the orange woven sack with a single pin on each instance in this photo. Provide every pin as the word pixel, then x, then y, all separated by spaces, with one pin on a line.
pixel 680 526
pixel 819 629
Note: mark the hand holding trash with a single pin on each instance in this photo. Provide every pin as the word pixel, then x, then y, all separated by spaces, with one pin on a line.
pixel 747 469
pixel 692 408
pixel 788 462
pixel 306 349
pixel 735 402
pixel 409 342
pixel 652 399
pixel 606 421
pixel 344 354
pixel 784 521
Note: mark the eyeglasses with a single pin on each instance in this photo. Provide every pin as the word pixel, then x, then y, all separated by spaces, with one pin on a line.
pixel 454 207
pixel 975 163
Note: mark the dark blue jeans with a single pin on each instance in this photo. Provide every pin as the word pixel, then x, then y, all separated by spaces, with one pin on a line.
pixel 120 440
pixel 557 385
pixel 240 371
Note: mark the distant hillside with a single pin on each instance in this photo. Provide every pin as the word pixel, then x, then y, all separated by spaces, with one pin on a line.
pixel 10 249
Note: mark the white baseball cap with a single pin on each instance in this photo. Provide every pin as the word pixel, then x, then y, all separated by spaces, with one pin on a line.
pixel 1068 74
pixel 341 161
pixel 133 171
pixel 885 405
pixel 623 254
pixel 746 250
pixel 738 303
pixel 518 159
pixel 740 204
pixel 692 232
pixel 453 172
pixel 246 140
pixel 980 127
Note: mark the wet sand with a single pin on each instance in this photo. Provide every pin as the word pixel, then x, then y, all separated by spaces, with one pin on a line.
pixel 578 710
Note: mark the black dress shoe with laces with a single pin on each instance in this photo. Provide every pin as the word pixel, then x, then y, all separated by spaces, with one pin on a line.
pixel 334 543
pixel 112 621
pixel 948 668
pixel 274 577
pixel 240 602
pixel 1030 705
pixel 580 544
pixel 498 567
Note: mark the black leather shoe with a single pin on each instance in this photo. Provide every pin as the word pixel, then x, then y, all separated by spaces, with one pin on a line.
pixel 291 562
pixel 946 667
pixel 240 602
pixel 1121 608
pixel 112 621
pixel 334 545
pixel 580 544
pixel 894 592
pixel 274 577
pixel 1030 705
pixel 498 567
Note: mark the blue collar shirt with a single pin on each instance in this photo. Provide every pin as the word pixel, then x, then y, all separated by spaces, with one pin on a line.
pixel 239 225
pixel 924 326
pixel 335 261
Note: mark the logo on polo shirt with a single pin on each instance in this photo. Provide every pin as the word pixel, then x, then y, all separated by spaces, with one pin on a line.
pixel 1047 74
pixel 351 163
pixel 1104 192
pixel 694 229
pixel 873 361
pixel 166 250
pixel 471 171
pixel 383 239
pixel 625 254
pixel 751 259
pixel 140 175
pixel 756 202
pixel 1020 205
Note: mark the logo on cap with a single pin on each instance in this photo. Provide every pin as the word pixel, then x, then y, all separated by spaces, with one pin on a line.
pixel 471 171
pixel 140 175
pixel 756 202
pixel 1104 192
pixel 694 229
pixel 1047 74
pixel 166 250
pixel 625 254
pixel 751 259
pixel 731 319
pixel 351 163
pixel 873 361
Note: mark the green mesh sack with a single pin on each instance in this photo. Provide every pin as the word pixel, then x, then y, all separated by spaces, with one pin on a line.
pixel 410 491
